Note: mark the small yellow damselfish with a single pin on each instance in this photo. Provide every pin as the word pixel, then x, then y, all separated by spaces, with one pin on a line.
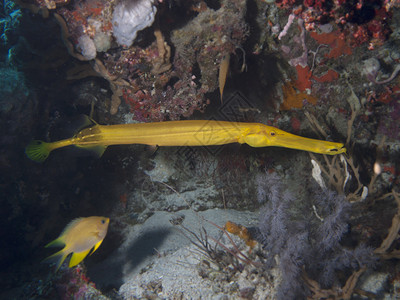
pixel 183 133
pixel 79 237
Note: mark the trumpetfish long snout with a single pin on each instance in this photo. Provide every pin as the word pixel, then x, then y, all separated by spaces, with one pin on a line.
pixel 183 133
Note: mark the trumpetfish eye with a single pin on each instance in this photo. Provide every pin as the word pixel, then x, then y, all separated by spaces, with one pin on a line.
pixel 272 133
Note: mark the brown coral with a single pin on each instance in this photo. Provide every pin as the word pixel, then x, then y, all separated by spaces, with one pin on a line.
pixel 241 232
pixel 295 99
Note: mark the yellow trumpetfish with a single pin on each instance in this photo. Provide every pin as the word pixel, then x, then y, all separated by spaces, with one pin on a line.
pixel 183 133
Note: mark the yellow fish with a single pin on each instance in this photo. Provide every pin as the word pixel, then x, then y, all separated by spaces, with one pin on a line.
pixel 183 133
pixel 79 237
pixel 223 73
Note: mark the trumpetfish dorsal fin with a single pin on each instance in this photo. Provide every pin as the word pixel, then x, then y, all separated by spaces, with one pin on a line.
pixel 86 122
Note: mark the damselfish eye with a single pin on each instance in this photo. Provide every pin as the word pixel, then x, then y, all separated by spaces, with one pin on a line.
pixel 103 221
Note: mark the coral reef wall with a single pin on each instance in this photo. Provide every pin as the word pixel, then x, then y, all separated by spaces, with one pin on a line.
pixel 327 225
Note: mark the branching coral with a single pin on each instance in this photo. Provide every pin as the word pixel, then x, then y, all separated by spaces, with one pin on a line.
pixel 344 292
pixel 162 62
pixel 339 170
pixel 384 249
pixel 65 38
pixel 116 85
pixel 223 255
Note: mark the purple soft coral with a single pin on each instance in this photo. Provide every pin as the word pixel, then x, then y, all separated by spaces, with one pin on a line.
pixel 306 234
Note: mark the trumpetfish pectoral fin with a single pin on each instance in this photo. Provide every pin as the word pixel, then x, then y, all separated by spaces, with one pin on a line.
pixel 96 150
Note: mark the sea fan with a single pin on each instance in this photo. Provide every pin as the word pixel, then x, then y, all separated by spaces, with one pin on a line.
pixel 306 233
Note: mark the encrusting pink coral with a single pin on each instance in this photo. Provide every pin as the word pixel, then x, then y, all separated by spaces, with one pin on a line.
pixel 335 41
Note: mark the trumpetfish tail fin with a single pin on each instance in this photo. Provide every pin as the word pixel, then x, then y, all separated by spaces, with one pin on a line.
pixel 38 151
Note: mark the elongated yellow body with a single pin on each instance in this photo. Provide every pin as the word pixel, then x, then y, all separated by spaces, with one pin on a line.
pixel 189 133
pixel 172 133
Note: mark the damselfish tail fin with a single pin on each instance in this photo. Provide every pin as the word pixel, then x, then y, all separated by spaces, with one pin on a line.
pixel 38 151
pixel 57 258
